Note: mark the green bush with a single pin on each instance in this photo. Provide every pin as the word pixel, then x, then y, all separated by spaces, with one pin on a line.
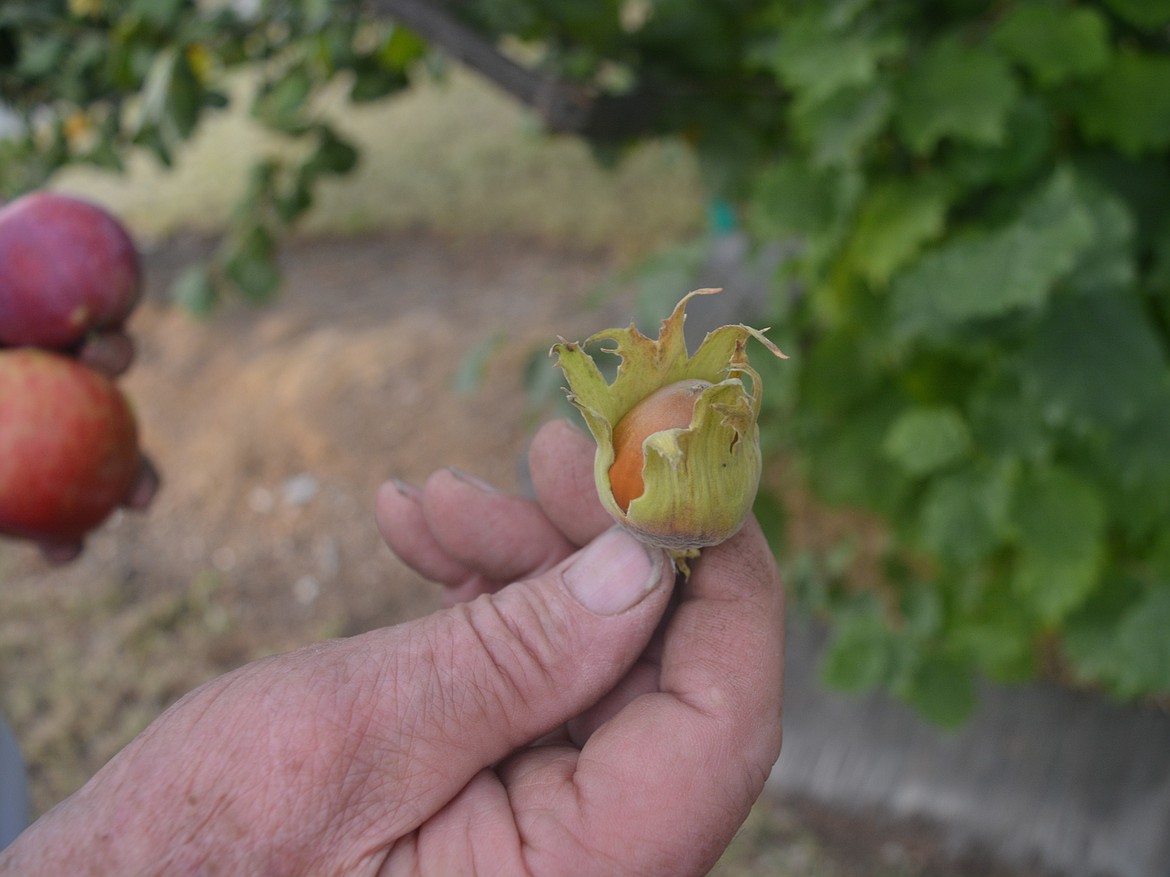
pixel 984 200
pixel 978 307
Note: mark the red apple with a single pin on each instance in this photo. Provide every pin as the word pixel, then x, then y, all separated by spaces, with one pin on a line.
pixel 66 267
pixel 68 446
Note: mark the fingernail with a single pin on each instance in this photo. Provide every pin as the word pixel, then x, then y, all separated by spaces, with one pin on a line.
pixel 477 483
pixel 613 573
pixel 404 489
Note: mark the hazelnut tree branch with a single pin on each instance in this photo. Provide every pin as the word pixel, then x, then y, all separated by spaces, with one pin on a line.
pixel 565 107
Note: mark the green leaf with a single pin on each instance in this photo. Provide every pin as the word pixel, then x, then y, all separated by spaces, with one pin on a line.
pixel 1060 525
pixel 1129 649
pixel 163 14
pixel 1146 14
pixel 1108 264
pixel 1159 275
pixel 1025 152
pixel 1128 106
pixel 1055 43
pixel 1142 186
pixel 296 198
pixel 860 655
pixel 373 81
pixel 921 610
pixel 332 155
pixel 1145 645
pixel 40 56
pixel 819 55
pixel 958 91
pixel 942 688
pixel 1006 421
pixel 987 274
pixel 1095 360
pixel 185 97
pixel 658 279
pixel 194 291
pixel 473 363
pixel 1159 557
pixel 256 277
pixel 261 183
pixel 149 137
pixel 925 439
pixel 155 98
pixel 1090 633
pixel 1000 644
pixel 963 514
pixel 837 129
pixel 896 219
pixel 251 264
pixel 401 49
pixel 845 469
pixel 1138 468
pixel 278 104
pixel 316 12
pixel 792 198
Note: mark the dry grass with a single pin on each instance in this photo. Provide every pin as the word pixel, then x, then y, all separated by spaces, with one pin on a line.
pixel 455 157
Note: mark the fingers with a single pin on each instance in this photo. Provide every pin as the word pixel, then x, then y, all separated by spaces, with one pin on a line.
pixel 561 462
pixel 705 742
pixel 399 515
pixel 503 537
pixel 462 533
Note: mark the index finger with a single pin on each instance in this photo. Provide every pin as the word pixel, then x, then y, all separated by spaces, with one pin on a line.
pixel 560 460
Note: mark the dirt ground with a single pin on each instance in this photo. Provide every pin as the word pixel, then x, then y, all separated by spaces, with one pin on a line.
pixel 273 427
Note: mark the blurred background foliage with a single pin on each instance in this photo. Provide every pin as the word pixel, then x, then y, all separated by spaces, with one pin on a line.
pixel 974 200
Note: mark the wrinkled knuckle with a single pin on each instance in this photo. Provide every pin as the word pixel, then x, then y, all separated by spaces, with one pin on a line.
pixel 519 650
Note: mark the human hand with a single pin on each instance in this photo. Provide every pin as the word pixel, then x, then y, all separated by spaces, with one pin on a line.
pixel 656 774
pixel 576 721
pixel 110 352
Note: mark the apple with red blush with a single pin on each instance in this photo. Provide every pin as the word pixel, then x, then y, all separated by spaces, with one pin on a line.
pixel 69 451
pixel 68 268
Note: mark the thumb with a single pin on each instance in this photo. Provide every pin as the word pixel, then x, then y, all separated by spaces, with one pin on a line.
pixel 482 679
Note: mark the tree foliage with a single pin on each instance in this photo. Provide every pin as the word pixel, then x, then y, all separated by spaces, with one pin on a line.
pixel 980 300
pixel 89 81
